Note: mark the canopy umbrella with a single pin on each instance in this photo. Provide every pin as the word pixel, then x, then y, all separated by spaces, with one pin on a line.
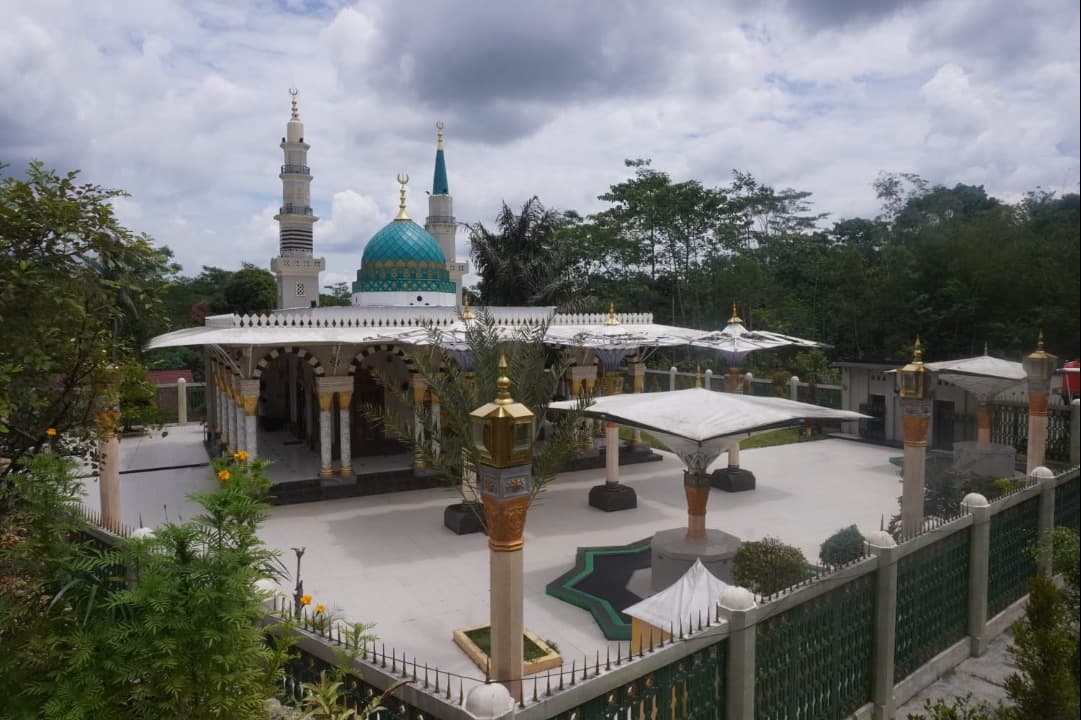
pixel 698 425
pixel 984 377
pixel 736 341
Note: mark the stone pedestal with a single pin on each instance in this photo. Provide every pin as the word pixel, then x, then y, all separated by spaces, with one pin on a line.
pixel 732 479
pixel 463 518
pixel 673 555
pixel 612 497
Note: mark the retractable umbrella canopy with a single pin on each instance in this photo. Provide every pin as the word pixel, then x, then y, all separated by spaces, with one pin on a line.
pixel 612 339
pixel 736 341
pixel 698 424
pixel 983 376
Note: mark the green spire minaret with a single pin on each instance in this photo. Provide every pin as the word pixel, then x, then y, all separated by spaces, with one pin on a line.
pixel 439 182
pixel 441 223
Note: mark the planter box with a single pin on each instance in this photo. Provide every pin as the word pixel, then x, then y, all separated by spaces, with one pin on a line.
pixel 551 659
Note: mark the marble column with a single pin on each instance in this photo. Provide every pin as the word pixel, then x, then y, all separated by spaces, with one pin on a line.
pixel 916 420
pixel 249 391
pixel 345 415
pixel 326 459
pixel 420 393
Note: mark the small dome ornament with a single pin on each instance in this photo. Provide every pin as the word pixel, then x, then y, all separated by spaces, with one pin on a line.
pixel 403 180
pixel 735 316
pixel 611 319
pixel 467 312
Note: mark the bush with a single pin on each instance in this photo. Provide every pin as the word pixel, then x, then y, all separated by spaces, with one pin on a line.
pixel 961 708
pixel 768 565
pixel 841 547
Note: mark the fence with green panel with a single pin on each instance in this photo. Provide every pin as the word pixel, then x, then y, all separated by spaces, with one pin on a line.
pixel 1068 503
pixel 691 688
pixel 814 660
pixel 1012 562
pixel 932 602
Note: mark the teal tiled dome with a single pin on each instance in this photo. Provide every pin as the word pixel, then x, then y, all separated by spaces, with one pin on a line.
pixel 403 256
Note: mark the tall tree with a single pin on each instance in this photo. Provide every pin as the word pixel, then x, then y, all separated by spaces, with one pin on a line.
pixel 75 288
pixel 526 260
pixel 251 290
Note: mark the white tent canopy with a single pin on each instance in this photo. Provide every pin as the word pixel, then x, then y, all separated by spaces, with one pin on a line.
pixel 736 341
pixel 698 424
pixel 983 376
pixel 692 596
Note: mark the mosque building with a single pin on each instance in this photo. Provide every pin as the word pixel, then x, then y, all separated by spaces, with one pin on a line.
pixel 304 374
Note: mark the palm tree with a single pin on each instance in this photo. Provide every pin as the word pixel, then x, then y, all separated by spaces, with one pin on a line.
pixel 525 262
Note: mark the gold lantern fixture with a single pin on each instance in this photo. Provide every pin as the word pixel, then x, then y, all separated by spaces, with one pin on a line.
pixel 914 379
pixel 1039 367
pixel 503 430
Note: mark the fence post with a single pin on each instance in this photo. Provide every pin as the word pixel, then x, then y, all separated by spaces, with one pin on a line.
pixel 709 379
pixel 793 388
pixel 979 554
pixel 672 377
pixel 737 606
pixel 1046 478
pixel 181 401
pixel 1075 433
pixel 884 547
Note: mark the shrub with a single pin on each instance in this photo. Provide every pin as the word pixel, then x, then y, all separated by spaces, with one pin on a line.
pixel 768 565
pixel 841 547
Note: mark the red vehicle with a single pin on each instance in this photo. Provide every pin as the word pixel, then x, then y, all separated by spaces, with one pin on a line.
pixel 1071 379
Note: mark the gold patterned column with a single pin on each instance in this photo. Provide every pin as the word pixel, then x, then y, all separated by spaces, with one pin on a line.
pixel 1039 366
pixel 915 384
pixel 696 488
pixel 345 414
pixel 420 396
pixel 503 432
pixel 983 425
pixel 249 398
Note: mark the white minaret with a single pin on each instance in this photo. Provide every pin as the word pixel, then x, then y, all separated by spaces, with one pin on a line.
pixel 296 268
pixel 440 221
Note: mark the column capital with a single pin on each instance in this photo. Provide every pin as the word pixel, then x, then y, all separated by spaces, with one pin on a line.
pixel 334 383
pixel 326 401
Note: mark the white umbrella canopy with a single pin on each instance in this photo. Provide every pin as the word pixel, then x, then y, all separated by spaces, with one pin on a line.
pixel 611 340
pixel 983 376
pixel 698 424
pixel 736 341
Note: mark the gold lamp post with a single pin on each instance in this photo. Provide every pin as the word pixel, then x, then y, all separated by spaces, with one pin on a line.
pixel 1039 367
pixel 503 435
pixel 914 386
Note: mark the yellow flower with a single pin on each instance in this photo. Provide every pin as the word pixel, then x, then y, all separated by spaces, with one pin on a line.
pixel 320 608
pixel 305 599
pixel 241 455
pixel 223 475
pixel 51 432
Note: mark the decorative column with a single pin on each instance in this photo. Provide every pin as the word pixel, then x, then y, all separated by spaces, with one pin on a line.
pixel 420 393
pixel 1039 366
pixel 181 401
pixel 108 417
pixel 1045 537
pixel 241 424
pixel 636 369
pixel 612 496
pixel 503 433
pixel 914 383
pixel 882 545
pixel 231 416
pixel 249 397
pixel 979 557
pixel 736 605
pixel 696 488
pixel 326 402
pixel 345 415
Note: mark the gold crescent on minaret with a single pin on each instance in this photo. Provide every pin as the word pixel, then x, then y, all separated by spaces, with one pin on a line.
pixel 403 180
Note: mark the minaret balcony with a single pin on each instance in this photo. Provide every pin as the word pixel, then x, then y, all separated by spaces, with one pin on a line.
pixel 296 170
pixel 440 220
pixel 295 210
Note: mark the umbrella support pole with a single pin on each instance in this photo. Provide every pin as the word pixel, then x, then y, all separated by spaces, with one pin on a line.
pixel 612 496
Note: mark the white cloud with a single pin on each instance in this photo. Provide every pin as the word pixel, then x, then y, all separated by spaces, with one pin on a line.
pixel 183 104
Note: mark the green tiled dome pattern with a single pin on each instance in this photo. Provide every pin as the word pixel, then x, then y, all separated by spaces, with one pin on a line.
pixel 403 257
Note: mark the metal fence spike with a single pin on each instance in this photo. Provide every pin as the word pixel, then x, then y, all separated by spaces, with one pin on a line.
pixel 574 673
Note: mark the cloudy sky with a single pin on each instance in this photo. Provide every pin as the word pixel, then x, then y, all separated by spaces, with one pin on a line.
pixel 183 103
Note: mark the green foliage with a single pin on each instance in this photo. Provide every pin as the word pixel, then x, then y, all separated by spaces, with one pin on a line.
pixel 251 290
pixel 138 397
pixel 535 373
pixel 768 565
pixel 340 295
pixel 162 627
pixel 1045 652
pixel 843 546
pixel 77 291
pixel 961 708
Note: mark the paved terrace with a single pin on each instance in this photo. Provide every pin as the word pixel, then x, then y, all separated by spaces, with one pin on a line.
pixel 387 559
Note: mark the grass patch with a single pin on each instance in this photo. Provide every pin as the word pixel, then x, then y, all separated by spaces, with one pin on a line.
pixel 482 638
pixel 784 436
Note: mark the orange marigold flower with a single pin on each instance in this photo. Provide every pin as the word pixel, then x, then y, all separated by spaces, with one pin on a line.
pixel 241 455
pixel 223 475
pixel 51 432
pixel 305 599
pixel 320 608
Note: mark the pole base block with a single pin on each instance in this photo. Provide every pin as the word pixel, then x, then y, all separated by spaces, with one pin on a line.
pixel 732 479
pixel 613 498
pixel 462 519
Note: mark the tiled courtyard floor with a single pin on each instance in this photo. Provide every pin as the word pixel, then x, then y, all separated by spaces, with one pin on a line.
pixel 387 559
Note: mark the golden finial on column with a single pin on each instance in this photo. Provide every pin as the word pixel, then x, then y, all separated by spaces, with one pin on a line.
pixel 1039 342
pixel 735 316
pixel 293 92
pixel 439 135
pixel 403 180
pixel 503 382
pixel 917 351
pixel 467 312
pixel 611 315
